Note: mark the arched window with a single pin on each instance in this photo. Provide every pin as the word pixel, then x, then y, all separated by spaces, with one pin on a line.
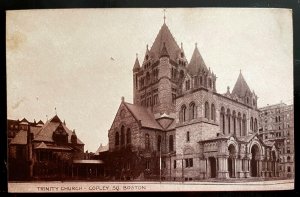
pixel 122 135
pixel 255 125
pixel 181 74
pixel 206 113
pixel 182 115
pixel 158 142
pixel 244 125
pixel 289 169
pixel 222 120
pixel 147 141
pixel 192 111
pixel 228 119
pixel 213 112
pixel 117 139
pixel 240 124
pixel 234 121
pixel 209 83
pixel 187 85
pixel 128 136
pixel 201 81
pixel 171 144
pixel 251 124
pixel 288 158
pixel 147 78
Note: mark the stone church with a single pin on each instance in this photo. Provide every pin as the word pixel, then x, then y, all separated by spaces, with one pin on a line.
pixel 180 128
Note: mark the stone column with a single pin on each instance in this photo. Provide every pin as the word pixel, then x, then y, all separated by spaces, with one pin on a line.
pixel 240 172
pixel 223 167
pixel 247 167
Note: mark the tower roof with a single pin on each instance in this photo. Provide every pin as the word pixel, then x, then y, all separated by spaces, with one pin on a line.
pixel 136 64
pixel 241 87
pixel 165 36
pixel 196 63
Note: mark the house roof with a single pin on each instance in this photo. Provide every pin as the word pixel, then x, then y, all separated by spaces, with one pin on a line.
pixel 101 149
pixel 42 145
pixel 20 138
pixel 46 131
pixel 164 36
pixel 141 113
pixel 241 87
pixel 197 63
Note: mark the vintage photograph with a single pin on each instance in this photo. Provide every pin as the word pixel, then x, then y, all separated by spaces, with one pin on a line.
pixel 174 99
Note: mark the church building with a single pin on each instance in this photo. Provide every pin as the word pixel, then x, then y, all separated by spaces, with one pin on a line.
pixel 180 128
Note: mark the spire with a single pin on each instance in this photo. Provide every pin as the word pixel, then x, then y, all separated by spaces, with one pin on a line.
pixel 196 62
pixel 165 36
pixel 241 88
pixel 136 66
pixel 164 51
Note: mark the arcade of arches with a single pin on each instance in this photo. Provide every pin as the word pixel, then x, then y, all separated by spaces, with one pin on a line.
pixel 239 158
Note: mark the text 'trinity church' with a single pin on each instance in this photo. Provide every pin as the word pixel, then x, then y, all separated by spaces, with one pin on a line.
pixel 180 128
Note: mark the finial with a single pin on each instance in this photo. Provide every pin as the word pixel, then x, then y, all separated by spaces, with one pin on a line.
pixel 181 45
pixel 122 98
pixel 164 16
pixel 147 47
pixel 136 55
pixel 55 111
pixel 47 117
pixel 196 44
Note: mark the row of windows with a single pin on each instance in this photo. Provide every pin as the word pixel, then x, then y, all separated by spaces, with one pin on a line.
pixel 188 163
pixel 150 101
pixel 238 122
pixel 121 139
pixel 146 80
pixel 192 112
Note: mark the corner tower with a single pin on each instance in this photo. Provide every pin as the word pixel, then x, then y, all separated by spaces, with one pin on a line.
pixel 156 81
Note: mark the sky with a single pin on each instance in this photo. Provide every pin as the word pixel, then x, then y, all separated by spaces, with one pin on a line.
pixel 78 63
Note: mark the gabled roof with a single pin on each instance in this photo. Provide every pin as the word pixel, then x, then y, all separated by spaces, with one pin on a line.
pixel 136 66
pixel 46 131
pixel 241 88
pixel 40 122
pixel 20 138
pixel 164 36
pixel 101 149
pixel 197 63
pixel 42 145
pixel 141 113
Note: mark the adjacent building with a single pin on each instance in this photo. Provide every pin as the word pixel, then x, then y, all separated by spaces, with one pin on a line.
pixel 180 128
pixel 277 126
pixel 42 151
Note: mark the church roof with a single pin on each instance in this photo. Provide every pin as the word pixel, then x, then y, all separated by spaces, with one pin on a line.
pixel 141 113
pixel 241 87
pixel 136 65
pixel 101 149
pixel 46 131
pixel 196 63
pixel 164 36
pixel 164 51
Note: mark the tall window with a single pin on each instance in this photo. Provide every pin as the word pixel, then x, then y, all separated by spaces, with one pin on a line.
pixel 222 120
pixel 147 141
pixel 228 120
pixel 240 123
pixel 182 115
pixel 187 85
pixel 189 163
pixel 188 136
pixel 206 115
pixel 117 139
pixel 122 136
pixel 213 112
pixel 158 142
pixel 244 125
pixel 174 164
pixel 255 125
pixel 171 144
pixel 192 111
pixel 128 136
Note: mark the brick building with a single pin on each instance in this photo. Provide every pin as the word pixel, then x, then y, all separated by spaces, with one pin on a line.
pixel 277 126
pixel 180 124
pixel 42 151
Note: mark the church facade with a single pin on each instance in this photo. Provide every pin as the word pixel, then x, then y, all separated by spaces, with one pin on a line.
pixel 180 128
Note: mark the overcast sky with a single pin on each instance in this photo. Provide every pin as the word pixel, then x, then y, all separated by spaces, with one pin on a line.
pixel 80 61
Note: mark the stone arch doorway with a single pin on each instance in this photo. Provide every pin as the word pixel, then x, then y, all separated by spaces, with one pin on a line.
pixel 254 161
pixel 213 167
pixel 231 161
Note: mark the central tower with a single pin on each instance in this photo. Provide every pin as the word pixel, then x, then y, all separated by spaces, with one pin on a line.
pixel 156 81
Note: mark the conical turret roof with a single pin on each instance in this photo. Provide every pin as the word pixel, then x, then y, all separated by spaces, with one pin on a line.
pixel 165 36
pixel 241 87
pixel 196 63
pixel 136 66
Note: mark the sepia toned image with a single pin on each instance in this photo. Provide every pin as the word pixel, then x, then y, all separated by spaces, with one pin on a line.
pixel 177 99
